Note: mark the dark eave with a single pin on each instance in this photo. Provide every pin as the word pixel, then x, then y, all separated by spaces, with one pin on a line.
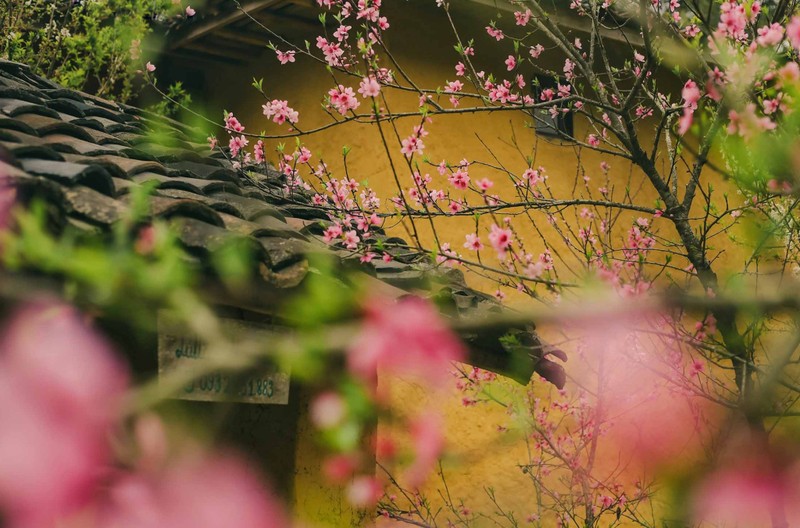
pixel 225 32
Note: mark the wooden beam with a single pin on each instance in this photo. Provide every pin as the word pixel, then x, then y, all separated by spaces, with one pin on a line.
pixel 305 4
pixel 220 21
pixel 221 51
pixel 308 9
pixel 244 37
pixel 286 24
pixel 200 58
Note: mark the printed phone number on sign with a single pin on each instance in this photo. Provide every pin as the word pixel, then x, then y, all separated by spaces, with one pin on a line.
pixel 220 384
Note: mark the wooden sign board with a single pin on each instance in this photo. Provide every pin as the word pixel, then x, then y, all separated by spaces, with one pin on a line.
pixel 180 352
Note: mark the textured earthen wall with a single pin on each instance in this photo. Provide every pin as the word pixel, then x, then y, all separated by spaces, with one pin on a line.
pixel 482 456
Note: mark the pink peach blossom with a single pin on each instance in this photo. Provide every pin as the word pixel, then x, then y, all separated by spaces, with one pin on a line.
pixel 522 17
pixel 691 95
pixel 342 32
pixel 332 51
pixel 496 33
pixel 280 112
pixel 500 238
pixel 351 239
pixel 343 99
pixel 405 337
pixel 331 233
pixel 511 63
pixel 473 242
pixel 459 178
pixel 369 87
pixel 770 35
pixel 732 20
pixel 411 145
pixel 454 86
pixel 236 144
pixel 484 184
pixel 285 56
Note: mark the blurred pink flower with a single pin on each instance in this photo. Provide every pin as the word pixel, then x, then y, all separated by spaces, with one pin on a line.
pixel 145 242
pixel 385 448
pixel 197 491
pixel 427 438
pixel 339 468
pixel 151 441
pixel 8 196
pixel 406 337
pixel 651 415
pixel 328 410
pixel 500 238
pixel 60 390
pixel 691 96
pixel 793 32
pixel 484 184
pixel 747 494
pixel 364 491
pixel 8 191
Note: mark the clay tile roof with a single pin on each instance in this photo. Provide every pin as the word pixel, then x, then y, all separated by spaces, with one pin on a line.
pixel 85 154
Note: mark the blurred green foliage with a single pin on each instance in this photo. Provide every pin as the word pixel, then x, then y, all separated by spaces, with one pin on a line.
pixel 765 166
pixel 756 159
pixel 88 45
pixel 176 99
pixel 326 296
pixel 129 271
